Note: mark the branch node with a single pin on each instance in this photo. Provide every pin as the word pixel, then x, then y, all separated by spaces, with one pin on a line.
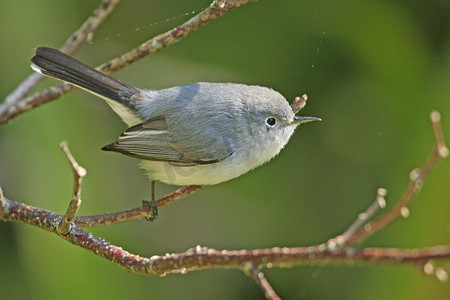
pixel 404 212
pixel 361 222
pixel 441 148
pixel 415 174
pixel 381 200
pixel 78 172
pixel 251 270
pixel 441 274
pixel 428 267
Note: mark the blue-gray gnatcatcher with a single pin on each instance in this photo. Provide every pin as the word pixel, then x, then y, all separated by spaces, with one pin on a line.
pixel 199 133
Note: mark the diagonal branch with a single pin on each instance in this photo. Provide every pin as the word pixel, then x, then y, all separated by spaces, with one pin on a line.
pixel 417 177
pixel 261 280
pixel 12 102
pixel 215 10
pixel 78 173
pixel 342 239
pixel 139 213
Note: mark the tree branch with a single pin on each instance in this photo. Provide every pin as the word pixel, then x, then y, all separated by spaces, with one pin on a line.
pixel 261 280
pixel 342 239
pixel 335 250
pixel 139 213
pixel 12 105
pixel 78 173
pixel 199 258
pixel 417 177
pixel 215 10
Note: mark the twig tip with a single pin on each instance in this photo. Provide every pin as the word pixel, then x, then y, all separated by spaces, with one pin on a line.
pixel 442 149
pixel 381 194
pixel 415 174
pixel 441 274
pixel 435 116
pixel 404 212
pixel 64 145
pixel 299 103
pixel 428 268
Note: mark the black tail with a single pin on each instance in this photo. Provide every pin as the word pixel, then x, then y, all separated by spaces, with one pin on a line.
pixel 56 64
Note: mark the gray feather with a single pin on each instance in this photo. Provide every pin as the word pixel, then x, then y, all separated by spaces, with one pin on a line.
pixel 151 141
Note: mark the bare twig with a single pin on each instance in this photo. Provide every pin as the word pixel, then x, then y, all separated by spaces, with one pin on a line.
pixel 86 31
pixel 2 200
pixel 342 239
pixel 215 10
pixel 417 177
pixel 12 103
pixel 438 272
pixel 78 173
pixel 261 280
pixel 177 195
pixel 441 148
pixel 299 103
pixel 136 213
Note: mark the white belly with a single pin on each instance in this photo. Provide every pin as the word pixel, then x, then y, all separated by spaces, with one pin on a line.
pixel 237 164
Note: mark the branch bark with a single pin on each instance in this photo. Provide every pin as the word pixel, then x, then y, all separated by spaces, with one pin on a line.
pixel 339 249
pixel 199 258
pixel 12 105
pixel 215 10
pixel 417 177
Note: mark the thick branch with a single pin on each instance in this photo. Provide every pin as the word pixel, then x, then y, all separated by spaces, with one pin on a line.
pixel 199 258
pixel 204 258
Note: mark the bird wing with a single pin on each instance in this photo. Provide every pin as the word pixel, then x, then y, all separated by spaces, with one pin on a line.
pixel 151 140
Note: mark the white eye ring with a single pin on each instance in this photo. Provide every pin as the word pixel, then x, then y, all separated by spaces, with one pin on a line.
pixel 271 121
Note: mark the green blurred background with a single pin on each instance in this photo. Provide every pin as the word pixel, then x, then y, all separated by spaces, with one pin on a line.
pixel 373 70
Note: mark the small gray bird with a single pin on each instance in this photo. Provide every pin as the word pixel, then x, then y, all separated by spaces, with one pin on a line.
pixel 200 133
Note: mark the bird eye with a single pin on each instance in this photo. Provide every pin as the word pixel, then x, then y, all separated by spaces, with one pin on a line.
pixel 271 121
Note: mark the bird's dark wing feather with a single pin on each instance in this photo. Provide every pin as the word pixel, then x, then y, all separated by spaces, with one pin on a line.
pixel 151 141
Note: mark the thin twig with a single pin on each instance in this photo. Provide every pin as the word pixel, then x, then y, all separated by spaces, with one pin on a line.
pixel 136 213
pixel 2 200
pixel 215 10
pixel 417 177
pixel 177 195
pixel 261 280
pixel 299 103
pixel 342 239
pixel 86 32
pixel 80 36
pixel 442 149
pixel 78 173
